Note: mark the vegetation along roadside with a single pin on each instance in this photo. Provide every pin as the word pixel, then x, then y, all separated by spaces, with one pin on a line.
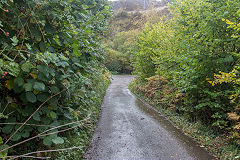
pixel 188 67
pixel 52 76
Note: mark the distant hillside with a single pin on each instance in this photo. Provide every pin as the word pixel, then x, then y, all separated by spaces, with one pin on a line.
pixel 131 15
pixel 137 5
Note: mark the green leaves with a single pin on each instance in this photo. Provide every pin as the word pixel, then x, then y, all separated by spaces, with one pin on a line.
pixel 14 40
pixel 43 69
pixel 39 86
pixel 42 52
pixel 16 137
pixel 36 116
pixel 18 81
pixel 7 129
pixel 18 85
pixel 26 67
pixel 75 49
pixel 54 89
pixel 1 141
pixel 1 64
pixel 42 97
pixel 28 87
pixel 106 7
pixel 36 34
pixel 189 50
pixel 47 141
pixel 4 153
pixel 53 115
pixel 31 97
pixel 12 68
pixel 58 140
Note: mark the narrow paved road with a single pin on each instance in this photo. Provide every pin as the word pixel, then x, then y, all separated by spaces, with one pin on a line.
pixel 130 130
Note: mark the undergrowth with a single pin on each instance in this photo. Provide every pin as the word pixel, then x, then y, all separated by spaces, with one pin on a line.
pixel 166 100
pixel 80 137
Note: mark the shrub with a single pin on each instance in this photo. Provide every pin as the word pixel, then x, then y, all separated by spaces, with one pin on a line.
pixel 120 51
pixel 50 52
pixel 187 50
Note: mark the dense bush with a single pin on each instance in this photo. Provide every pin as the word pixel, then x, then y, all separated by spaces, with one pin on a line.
pixel 187 50
pixel 122 36
pixel 120 51
pixel 233 79
pixel 49 63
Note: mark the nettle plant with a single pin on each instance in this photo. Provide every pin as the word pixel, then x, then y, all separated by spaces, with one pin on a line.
pixel 45 48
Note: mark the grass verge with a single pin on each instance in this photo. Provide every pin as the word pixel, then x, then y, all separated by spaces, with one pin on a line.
pixel 216 143
pixel 77 140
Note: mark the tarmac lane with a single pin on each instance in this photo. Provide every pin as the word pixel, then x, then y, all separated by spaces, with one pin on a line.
pixel 129 129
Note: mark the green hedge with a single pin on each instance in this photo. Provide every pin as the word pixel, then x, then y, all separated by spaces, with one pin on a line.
pixel 50 60
pixel 188 50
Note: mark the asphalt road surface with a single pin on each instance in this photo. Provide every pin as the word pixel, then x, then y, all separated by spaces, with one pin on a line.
pixel 129 129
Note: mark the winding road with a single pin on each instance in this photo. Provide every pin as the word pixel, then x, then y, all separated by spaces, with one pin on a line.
pixel 128 129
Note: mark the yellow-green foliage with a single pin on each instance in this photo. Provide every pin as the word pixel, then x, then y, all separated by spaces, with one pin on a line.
pixel 122 43
pixel 188 49
pixel 157 46
pixel 200 40
pixel 119 51
pixel 233 78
